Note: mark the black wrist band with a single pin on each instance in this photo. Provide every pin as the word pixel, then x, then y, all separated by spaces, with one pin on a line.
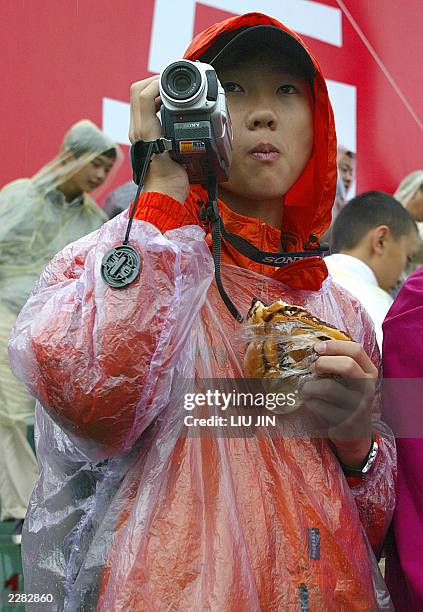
pixel 139 152
pixel 368 461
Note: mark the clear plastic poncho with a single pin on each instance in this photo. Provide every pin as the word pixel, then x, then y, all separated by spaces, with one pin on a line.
pixel 132 510
pixel 405 191
pixel 408 186
pixel 35 220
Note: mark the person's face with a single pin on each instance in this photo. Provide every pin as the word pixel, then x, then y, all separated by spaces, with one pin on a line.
pixel 397 252
pixel 93 174
pixel 415 205
pixel 272 126
pixel 346 170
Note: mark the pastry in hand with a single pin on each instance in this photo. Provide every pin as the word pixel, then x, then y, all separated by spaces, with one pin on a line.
pixel 283 337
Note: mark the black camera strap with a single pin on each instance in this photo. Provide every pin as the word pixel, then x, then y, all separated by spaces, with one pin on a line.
pixel 142 151
pixel 269 259
pixel 210 212
pixel 121 265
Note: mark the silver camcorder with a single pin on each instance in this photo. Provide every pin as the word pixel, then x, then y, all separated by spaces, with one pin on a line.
pixel 195 117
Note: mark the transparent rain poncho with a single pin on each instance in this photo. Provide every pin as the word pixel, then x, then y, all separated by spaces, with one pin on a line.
pixel 132 510
pixel 408 187
pixel 36 222
pixel 405 191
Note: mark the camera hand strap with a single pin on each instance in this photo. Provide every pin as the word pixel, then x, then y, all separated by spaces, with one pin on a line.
pixel 121 266
pixel 141 151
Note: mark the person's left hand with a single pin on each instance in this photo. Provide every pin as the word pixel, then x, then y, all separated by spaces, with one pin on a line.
pixel 343 397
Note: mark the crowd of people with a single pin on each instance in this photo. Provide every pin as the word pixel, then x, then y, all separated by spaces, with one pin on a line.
pixel 123 508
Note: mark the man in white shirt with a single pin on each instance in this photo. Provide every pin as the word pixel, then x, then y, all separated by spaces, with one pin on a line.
pixel 373 239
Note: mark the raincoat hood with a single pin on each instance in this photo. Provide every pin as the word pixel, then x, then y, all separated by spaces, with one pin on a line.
pixel 408 187
pixel 82 143
pixel 308 203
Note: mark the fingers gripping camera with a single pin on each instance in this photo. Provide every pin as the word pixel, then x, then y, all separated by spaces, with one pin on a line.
pixel 195 117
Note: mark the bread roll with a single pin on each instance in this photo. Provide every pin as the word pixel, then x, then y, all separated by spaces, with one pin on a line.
pixel 282 341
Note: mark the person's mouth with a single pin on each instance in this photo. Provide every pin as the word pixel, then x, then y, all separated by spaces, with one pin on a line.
pixel 264 152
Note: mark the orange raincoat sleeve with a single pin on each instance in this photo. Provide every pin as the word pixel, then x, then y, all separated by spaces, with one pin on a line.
pixel 91 362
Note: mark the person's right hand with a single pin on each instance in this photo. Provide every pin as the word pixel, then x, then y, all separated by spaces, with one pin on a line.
pixel 164 175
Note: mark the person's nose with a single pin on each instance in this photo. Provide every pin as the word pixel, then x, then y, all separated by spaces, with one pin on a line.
pixel 263 117
pixel 101 174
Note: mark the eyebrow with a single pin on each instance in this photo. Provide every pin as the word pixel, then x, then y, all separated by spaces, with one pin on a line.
pixel 105 162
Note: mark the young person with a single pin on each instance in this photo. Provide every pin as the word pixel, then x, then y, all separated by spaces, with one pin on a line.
pixel 186 522
pixel 410 194
pixel 38 217
pixel 373 239
pixel 346 167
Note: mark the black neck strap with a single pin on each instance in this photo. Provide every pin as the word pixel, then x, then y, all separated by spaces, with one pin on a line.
pixel 212 215
pixel 210 212
pixel 269 259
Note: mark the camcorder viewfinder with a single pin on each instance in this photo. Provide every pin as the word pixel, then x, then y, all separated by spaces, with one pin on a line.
pixel 195 117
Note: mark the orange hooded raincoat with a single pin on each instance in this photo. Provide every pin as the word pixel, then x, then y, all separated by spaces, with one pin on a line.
pixel 131 511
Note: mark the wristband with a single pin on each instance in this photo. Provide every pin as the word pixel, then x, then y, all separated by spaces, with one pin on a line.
pixel 368 461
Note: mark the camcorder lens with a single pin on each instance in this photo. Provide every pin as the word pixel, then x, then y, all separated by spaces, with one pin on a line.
pixel 181 81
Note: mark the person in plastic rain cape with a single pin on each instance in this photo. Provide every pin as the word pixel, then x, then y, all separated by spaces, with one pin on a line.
pixel 133 513
pixel 410 194
pixel 38 217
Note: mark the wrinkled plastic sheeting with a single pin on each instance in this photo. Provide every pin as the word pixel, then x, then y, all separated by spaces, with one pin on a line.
pixel 133 513
pixel 32 230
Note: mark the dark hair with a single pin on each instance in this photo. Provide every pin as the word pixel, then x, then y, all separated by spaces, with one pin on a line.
pixel 77 152
pixel 110 153
pixel 365 212
pixel 267 54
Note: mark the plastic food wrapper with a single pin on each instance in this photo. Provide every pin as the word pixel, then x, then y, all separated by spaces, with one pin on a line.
pixel 280 340
pixel 272 353
pixel 133 513
pixel 278 369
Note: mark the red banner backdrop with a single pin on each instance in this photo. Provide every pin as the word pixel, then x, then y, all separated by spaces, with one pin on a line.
pixel 62 59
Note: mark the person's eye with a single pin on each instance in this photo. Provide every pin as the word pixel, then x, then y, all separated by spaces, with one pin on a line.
pixel 288 89
pixel 230 87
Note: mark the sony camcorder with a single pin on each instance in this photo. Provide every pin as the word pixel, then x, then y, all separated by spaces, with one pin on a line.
pixel 195 117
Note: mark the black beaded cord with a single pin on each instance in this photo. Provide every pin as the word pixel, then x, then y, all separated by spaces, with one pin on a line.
pixel 121 265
